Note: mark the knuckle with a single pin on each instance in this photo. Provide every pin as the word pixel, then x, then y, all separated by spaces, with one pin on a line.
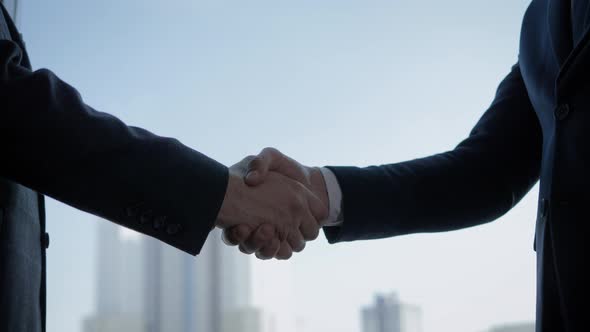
pixel 227 238
pixel 314 235
pixel 259 239
pixel 285 255
pixel 311 234
pixel 296 241
pixel 248 159
pixel 265 231
pixel 262 255
pixel 270 151
pixel 270 250
pixel 254 162
pixel 244 251
pixel 299 247
pixel 234 234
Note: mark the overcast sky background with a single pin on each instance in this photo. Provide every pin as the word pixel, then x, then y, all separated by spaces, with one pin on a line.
pixel 336 82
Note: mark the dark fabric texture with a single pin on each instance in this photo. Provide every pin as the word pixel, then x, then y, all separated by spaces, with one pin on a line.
pixel 537 127
pixel 53 144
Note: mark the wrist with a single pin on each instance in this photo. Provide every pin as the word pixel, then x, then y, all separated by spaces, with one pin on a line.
pixel 229 207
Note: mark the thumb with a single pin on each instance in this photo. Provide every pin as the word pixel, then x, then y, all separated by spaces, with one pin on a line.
pixel 255 177
pixel 259 166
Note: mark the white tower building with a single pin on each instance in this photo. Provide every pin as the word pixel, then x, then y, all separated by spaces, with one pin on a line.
pixel 389 314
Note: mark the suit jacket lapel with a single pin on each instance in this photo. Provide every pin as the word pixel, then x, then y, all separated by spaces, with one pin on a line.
pixel 572 61
pixel 7 27
pixel 4 31
pixel 575 64
pixel 559 20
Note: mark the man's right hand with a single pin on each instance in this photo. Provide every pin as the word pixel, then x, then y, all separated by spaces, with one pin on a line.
pixel 259 170
pixel 280 209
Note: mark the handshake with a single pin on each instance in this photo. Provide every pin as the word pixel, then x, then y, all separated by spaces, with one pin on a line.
pixel 273 205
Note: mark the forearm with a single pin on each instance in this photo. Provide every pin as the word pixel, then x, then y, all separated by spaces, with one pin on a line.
pixel 480 180
pixel 53 143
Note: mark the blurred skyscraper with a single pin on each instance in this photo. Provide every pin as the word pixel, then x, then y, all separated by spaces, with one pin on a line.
pixel 119 282
pixel 188 294
pixel 516 327
pixel 12 7
pixel 145 285
pixel 243 320
pixel 389 314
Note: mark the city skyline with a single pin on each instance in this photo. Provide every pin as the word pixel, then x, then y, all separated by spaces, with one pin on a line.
pixel 144 285
pixel 514 327
pixel 235 70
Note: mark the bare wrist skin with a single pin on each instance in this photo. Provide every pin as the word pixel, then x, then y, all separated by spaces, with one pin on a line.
pixel 229 207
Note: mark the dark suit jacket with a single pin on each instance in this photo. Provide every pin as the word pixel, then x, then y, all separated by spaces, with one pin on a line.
pixel 538 126
pixel 52 143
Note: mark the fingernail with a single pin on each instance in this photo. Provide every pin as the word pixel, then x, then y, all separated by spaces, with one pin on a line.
pixel 252 174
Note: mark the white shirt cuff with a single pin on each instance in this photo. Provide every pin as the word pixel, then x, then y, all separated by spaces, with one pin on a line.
pixel 334 196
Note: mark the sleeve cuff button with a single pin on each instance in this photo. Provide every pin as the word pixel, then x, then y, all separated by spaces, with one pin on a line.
pixel 159 222
pixel 173 229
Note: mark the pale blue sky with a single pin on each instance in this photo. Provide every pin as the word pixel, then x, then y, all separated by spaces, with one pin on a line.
pixel 337 82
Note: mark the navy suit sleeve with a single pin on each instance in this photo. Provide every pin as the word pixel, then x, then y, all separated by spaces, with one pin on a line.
pixel 52 142
pixel 478 181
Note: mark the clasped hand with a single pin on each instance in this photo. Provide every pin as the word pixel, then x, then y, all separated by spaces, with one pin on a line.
pixel 272 205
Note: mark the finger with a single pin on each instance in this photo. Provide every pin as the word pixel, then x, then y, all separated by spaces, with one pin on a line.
pixel 242 165
pixel 269 251
pixel 296 241
pixel 235 235
pixel 318 209
pixel 243 249
pixel 285 251
pixel 267 160
pixel 262 236
pixel 256 172
pixel 310 223
pixel 309 226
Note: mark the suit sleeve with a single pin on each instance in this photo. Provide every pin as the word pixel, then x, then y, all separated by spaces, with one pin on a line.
pixel 480 180
pixel 52 142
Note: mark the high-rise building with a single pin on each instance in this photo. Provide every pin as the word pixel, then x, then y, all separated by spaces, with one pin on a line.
pixel 119 283
pixel 144 285
pixel 188 294
pixel 180 290
pixel 119 279
pixel 514 327
pixel 389 314
pixel 243 320
pixel 111 323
